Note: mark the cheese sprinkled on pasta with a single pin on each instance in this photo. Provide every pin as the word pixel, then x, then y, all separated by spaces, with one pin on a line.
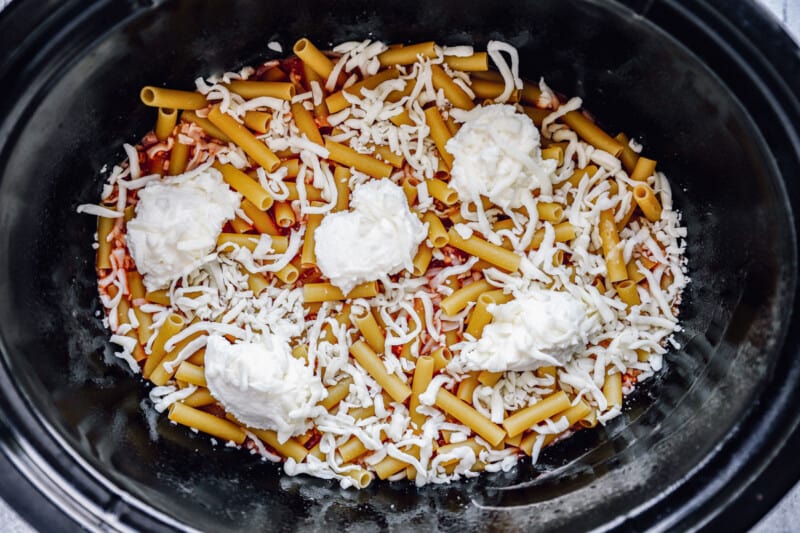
pixel 387 261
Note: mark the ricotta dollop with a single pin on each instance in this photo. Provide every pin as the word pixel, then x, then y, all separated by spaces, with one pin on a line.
pixel 262 385
pixel 541 328
pixel 177 223
pixel 379 236
pixel 497 154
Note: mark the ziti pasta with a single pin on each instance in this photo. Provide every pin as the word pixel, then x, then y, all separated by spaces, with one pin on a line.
pixel 366 262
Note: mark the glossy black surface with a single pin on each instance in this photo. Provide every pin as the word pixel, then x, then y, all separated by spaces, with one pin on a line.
pixel 718 111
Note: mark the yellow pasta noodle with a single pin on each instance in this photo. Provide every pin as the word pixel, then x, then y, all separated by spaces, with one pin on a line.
pixel 467 415
pixel 369 328
pixel 530 93
pixel 436 232
pixel 341 176
pixel 611 247
pixel 240 225
pixel 261 219
pixel 643 169
pixel 422 378
pixel 628 156
pixel 160 297
pixel 390 465
pixel 172 325
pixel 312 193
pixel 489 379
pixel 529 416
pixel 337 393
pixel 207 125
pixel 305 123
pixel 628 293
pixel 514 441
pixel 589 421
pixel 536 115
pixel 351 449
pixel 254 89
pixel 489 90
pixel 348 157
pixel 386 154
pixel 647 202
pixel 409 190
pixel 550 211
pixel 554 152
pixel 165 123
pixel 104 227
pixel 479 61
pixel 480 316
pixel 543 371
pixel 362 353
pixel 308 257
pixel 633 271
pixel 250 241
pixel 199 398
pixel 292 167
pixel 160 375
pixel 579 174
pixel 257 121
pixel 452 126
pixel 360 476
pixel 422 260
pixel 442 191
pixel 449 448
pixel 290 448
pixel 459 299
pixel 284 214
pixel 439 133
pixel 206 422
pixel 336 102
pixel 591 133
pixel 311 56
pixel 402 119
pixel 441 357
pixel 405 55
pixel 612 388
pixel 171 98
pixel 496 255
pixel 467 387
pixel 452 91
pixel 242 137
pixel 321 109
pixel 326 292
pixel 573 414
pixel 137 291
pixel 360 413
pixel 300 351
pixel 191 373
pixel 257 283
pixel 244 184
pixel 178 158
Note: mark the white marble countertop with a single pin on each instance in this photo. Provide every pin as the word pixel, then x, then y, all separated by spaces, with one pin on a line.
pixel 782 518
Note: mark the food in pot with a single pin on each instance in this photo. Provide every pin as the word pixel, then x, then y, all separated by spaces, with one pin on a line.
pixel 387 261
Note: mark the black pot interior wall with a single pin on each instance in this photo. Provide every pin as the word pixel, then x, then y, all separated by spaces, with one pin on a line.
pixel 634 78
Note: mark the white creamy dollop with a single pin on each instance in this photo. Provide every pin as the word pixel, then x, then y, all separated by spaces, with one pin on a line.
pixel 497 154
pixel 541 328
pixel 262 385
pixel 379 236
pixel 177 223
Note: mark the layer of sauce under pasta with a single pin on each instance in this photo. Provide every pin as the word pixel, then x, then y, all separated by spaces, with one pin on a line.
pixel 387 261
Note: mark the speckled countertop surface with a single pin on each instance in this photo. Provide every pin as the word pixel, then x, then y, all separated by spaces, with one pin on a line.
pixel 785 515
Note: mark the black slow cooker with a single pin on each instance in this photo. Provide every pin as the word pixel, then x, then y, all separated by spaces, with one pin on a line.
pixel 710 87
